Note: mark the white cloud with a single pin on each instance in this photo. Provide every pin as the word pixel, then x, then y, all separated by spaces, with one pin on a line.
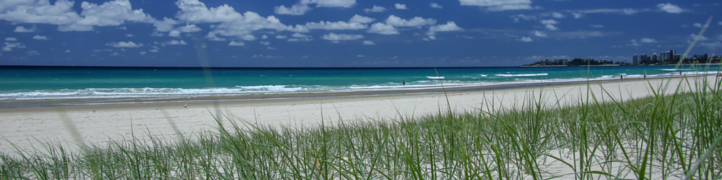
pixel 648 40
pixel 498 5
pixel 39 37
pixel 302 7
pixel 557 15
pixel 526 39
pixel 694 36
pixel 21 29
pixel 234 43
pixel 712 45
pixel 549 24
pixel 669 8
pixel 231 22
pixel 264 37
pixel 629 11
pixel 698 25
pixel 369 43
pixel 9 46
pixel 129 35
pixel 265 43
pixel 523 17
pixel 175 42
pixel 111 13
pixel 189 28
pixel 361 19
pixel 400 6
pixel 281 37
pixel 719 23
pixel 129 44
pixel 539 34
pixel 375 9
pixel 340 25
pixel 578 15
pixel 115 54
pixel 10 39
pixel 298 37
pixel 249 37
pixel 413 22
pixel 296 9
pixel 142 53
pixel 435 6
pixel 381 28
pixel 596 26
pixel 449 26
pixel 341 37
pixel 331 3
pixel 360 55
pixel 174 33
pixel 67 51
pixel 165 25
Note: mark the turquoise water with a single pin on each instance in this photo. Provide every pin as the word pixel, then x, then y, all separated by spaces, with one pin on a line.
pixel 22 83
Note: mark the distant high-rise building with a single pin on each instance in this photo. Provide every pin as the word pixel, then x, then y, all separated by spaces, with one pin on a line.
pixel 677 57
pixel 655 58
pixel 643 58
pixel 635 59
pixel 664 56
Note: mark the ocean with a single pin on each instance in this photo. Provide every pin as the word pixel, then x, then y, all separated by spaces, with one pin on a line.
pixel 52 83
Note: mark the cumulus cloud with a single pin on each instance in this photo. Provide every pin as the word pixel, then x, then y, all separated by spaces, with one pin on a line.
pixel 557 15
pixel 129 44
pixel 281 37
pixel 264 37
pixel 10 39
pixel 669 8
pixel 375 9
pixel 296 9
pixel 265 43
pixel 719 23
pixel 413 22
pixel 629 11
pixel 435 6
pixel 340 25
pixel 21 29
pixel 341 37
pixel 298 37
pixel 697 25
pixel 9 46
pixel 175 42
pixel 526 39
pixel 523 17
pixel 231 22
pixel 188 28
pixel 549 24
pixel 303 6
pixel 596 26
pixel 498 5
pixel 369 43
pixel 234 43
pixel 449 26
pixel 381 28
pixel 539 34
pixel 580 13
pixel 111 13
pixel 648 40
pixel 361 19
pixel 400 6
pixel 174 33
pixel 39 37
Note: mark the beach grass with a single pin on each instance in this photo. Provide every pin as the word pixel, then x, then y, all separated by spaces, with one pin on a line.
pixel 666 136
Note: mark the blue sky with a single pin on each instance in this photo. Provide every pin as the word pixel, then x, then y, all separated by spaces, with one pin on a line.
pixel 346 33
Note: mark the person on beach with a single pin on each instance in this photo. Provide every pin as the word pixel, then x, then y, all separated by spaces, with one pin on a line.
pixel 403 82
pixel 621 78
pixel 645 77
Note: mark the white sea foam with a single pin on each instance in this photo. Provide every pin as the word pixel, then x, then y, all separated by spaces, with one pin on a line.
pixel 435 77
pixel 148 92
pixel 522 75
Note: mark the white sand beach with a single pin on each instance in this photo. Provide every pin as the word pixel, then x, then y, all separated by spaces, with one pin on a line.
pixel 28 127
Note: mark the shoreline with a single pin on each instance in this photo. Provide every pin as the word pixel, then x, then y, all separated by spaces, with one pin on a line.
pixel 40 103
pixel 96 124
